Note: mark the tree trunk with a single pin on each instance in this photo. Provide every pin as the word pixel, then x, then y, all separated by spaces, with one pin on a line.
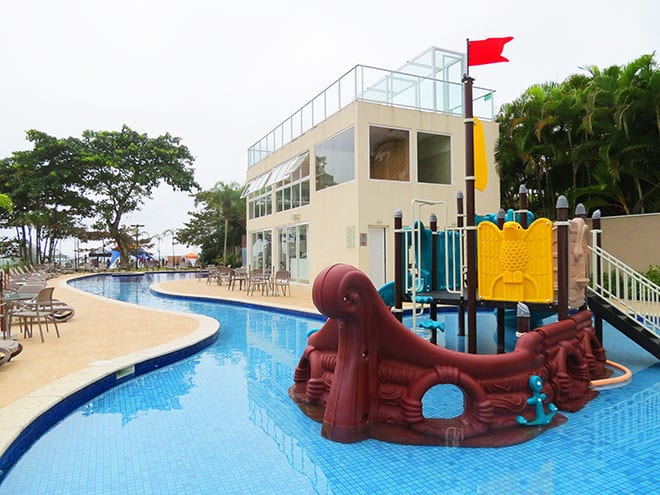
pixel 224 248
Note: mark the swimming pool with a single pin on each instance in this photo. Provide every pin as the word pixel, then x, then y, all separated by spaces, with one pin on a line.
pixel 221 421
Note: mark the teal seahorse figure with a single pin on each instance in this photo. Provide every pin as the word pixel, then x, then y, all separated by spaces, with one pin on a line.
pixel 537 398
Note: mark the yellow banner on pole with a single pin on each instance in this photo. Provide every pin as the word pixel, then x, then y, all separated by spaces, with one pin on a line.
pixel 480 160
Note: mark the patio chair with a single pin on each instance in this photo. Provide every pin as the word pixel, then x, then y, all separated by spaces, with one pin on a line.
pixel 225 275
pixel 258 281
pixel 38 310
pixel 213 275
pixel 239 276
pixel 281 281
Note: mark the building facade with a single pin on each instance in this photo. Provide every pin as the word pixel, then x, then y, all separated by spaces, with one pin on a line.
pixel 323 186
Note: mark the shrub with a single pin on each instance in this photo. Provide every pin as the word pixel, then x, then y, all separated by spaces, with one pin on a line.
pixel 653 274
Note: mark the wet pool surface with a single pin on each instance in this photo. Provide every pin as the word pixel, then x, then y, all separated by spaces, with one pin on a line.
pixel 221 421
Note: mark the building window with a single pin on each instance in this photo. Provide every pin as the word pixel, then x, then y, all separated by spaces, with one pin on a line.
pixel 433 158
pixel 292 189
pixel 293 255
pixel 389 154
pixel 259 203
pixel 335 160
pixel 261 251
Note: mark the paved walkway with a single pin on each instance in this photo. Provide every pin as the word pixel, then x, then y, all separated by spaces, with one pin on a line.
pixel 103 337
pixel 300 298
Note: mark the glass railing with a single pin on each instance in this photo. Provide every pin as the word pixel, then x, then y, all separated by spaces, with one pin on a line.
pixel 371 84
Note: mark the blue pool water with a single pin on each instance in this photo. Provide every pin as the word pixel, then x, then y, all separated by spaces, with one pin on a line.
pixel 221 422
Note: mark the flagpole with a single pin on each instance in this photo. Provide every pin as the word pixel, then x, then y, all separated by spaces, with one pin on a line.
pixel 486 51
pixel 467 55
pixel 470 214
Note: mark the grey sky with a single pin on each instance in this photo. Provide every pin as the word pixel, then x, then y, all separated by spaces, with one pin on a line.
pixel 220 75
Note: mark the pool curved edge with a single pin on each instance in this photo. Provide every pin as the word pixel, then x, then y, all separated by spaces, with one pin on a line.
pixel 158 288
pixel 24 420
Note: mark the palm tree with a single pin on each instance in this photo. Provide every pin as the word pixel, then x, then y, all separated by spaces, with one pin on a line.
pixel 594 137
pixel 172 234
pixel 224 200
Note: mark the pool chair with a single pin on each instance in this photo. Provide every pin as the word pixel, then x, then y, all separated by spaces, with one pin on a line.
pixel 9 349
pixel 38 310
pixel 213 275
pixel 258 280
pixel 281 281
pixel 62 311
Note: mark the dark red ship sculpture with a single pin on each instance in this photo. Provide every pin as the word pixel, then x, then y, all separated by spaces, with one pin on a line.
pixel 364 374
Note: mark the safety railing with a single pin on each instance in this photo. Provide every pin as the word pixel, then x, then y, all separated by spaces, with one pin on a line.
pixel 373 85
pixel 455 266
pixel 637 296
pixel 452 256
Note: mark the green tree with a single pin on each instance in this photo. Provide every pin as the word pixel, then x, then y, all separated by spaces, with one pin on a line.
pixel 594 137
pixel 46 185
pixel 219 224
pixel 125 167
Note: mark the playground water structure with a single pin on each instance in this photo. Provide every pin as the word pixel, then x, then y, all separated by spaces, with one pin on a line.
pixel 364 375
pixel 220 422
pixel 507 259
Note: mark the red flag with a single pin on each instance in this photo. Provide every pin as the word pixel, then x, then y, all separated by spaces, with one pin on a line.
pixel 488 51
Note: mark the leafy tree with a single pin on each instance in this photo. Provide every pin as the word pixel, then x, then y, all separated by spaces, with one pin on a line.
pixel 46 185
pixel 219 224
pixel 6 203
pixel 124 168
pixel 594 137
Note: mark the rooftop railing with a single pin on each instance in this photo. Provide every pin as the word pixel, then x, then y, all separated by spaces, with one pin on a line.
pixel 374 85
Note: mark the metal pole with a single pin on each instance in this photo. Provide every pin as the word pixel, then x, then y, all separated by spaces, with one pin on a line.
pixel 433 309
pixel 523 318
pixel 398 265
pixel 470 207
pixel 501 316
pixel 501 214
pixel 522 192
pixel 562 257
pixel 597 276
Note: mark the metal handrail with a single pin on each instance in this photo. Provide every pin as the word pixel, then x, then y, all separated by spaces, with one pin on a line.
pixel 373 85
pixel 455 266
pixel 612 279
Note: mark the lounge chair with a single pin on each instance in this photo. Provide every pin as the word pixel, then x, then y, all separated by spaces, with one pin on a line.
pixel 9 349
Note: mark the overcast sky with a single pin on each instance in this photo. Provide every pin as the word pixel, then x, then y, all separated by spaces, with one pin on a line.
pixel 221 74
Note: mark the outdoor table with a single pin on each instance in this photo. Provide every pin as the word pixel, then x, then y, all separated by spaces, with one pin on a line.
pixel 8 300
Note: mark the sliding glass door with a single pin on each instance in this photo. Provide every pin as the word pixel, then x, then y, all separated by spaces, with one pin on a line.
pixel 293 252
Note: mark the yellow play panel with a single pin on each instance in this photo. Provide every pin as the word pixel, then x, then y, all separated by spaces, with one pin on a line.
pixel 515 264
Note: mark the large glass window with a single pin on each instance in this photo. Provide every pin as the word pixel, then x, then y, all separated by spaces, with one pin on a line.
pixel 389 154
pixel 259 203
pixel 335 160
pixel 433 158
pixel 292 189
pixel 261 251
pixel 293 255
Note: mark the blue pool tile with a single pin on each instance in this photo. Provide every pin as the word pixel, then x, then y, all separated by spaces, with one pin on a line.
pixel 221 421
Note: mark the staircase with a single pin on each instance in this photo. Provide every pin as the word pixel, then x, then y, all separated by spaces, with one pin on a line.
pixel 625 299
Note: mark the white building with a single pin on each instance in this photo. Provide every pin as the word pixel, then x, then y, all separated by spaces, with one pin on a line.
pixel 322 187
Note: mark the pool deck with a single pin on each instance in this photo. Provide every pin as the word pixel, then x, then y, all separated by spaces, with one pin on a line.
pixel 103 337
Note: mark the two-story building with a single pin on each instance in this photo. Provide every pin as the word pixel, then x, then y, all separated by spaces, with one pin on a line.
pixel 323 186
